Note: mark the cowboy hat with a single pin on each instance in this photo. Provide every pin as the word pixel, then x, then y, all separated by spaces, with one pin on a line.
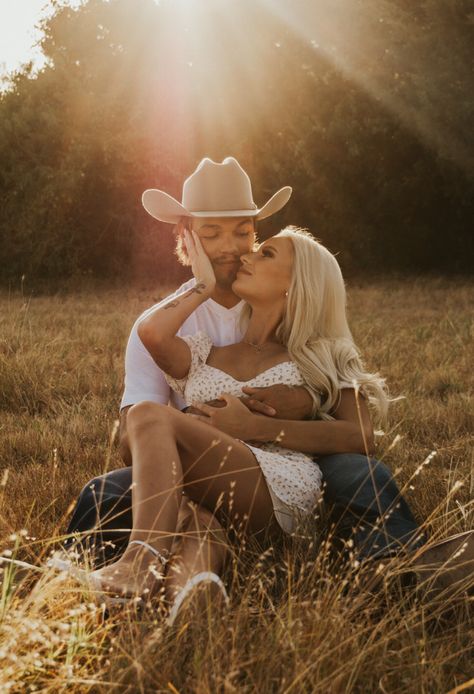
pixel 213 190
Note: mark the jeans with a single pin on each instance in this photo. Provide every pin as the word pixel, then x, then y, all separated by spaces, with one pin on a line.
pixel 362 498
pixel 365 505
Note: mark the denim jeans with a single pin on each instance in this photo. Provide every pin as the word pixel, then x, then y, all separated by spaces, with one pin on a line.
pixel 362 498
pixel 365 505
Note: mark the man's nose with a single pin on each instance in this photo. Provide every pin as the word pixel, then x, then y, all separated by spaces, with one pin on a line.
pixel 229 245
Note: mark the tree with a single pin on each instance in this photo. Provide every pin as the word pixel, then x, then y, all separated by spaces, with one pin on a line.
pixel 363 108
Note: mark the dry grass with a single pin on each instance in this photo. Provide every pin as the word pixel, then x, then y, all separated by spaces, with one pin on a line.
pixel 293 626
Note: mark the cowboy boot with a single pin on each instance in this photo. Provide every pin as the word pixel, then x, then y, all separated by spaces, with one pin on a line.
pixel 442 570
pixel 445 569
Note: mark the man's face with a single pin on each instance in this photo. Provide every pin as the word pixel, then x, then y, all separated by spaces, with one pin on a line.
pixel 224 240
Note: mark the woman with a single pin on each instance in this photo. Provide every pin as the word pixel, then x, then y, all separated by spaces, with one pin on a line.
pixel 298 335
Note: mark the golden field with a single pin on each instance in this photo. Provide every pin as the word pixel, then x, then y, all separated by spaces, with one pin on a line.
pixel 293 625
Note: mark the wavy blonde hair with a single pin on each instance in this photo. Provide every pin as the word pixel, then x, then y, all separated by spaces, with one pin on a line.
pixel 315 330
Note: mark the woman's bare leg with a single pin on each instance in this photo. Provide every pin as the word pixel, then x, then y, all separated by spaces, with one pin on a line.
pixel 171 450
pixel 200 545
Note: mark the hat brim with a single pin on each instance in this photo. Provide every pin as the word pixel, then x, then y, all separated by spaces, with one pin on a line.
pixel 165 208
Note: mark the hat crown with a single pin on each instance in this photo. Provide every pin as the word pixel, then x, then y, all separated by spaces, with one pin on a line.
pixel 214 186
pixel 213 190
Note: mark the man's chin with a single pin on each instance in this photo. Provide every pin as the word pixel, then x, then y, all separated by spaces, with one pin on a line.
pixel 225 279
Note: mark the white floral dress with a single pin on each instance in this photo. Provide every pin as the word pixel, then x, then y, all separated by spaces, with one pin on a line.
pixel 293 478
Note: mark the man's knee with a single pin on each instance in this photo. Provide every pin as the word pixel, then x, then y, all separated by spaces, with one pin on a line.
pixel 112 485
pixel 91 491
pixel 104 499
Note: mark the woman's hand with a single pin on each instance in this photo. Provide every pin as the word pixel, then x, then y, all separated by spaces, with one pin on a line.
pixel 233 418
pixel 200 263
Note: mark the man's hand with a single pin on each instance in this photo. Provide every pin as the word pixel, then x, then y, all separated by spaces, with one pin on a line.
pixel 279 401
pixel 212 403
pixel 231 417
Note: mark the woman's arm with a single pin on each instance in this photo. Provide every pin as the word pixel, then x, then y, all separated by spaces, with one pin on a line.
pixel 158 330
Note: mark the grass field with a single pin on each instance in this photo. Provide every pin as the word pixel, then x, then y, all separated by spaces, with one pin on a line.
pixel 291 626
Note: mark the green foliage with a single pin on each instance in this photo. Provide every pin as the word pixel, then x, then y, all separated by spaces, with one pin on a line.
pixel 364 112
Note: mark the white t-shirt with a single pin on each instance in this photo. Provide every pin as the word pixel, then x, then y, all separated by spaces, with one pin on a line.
pixel 144 380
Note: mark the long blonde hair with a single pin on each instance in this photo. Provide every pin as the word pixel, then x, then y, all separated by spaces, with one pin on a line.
pixel 315 331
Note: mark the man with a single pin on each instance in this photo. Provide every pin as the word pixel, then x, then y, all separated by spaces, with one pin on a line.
pixel 364 501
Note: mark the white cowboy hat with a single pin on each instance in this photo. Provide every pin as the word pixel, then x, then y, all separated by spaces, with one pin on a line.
pixel 213 190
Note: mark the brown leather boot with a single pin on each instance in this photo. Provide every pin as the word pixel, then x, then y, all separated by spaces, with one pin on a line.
pixel 445 569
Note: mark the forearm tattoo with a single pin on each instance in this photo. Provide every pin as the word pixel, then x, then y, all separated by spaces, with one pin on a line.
pixel 197 289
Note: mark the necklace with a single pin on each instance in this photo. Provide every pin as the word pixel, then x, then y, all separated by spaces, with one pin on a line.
pixel 257 348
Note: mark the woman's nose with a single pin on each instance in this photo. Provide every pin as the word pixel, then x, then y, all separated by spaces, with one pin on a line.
pixel 246 259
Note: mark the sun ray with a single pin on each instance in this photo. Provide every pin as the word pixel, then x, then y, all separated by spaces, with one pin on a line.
pixel 353 41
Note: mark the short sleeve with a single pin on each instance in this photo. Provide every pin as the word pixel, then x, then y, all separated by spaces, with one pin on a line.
pixel 200 345
pixel 144 380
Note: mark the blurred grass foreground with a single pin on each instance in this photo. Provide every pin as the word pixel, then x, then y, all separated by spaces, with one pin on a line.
pixel 294 624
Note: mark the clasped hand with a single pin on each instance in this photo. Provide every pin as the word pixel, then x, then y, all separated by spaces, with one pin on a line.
pixel 229 415
pixel 237 416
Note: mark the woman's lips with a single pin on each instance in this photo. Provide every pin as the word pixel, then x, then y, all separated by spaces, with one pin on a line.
pixel 243 271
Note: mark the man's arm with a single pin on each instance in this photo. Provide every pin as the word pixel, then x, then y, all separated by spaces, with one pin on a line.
pixel 286 403
pixel 124 447
pixel 351 432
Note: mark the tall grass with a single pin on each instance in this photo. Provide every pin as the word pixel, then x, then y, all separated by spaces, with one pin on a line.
pixel 297 622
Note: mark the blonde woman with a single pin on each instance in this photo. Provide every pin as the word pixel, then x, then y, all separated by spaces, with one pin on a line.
pixel 297 334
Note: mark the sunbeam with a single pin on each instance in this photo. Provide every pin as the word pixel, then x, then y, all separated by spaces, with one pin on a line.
pixel 360 43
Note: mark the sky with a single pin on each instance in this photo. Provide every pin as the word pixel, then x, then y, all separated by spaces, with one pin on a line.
pixel 18 33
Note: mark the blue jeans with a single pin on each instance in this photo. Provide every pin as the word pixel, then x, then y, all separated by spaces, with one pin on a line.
pixel 363 501
pixel 365 505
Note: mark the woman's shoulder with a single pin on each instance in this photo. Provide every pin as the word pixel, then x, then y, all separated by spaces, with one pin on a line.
pixel 199 343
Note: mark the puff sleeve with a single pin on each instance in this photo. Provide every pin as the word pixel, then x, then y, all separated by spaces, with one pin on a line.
pixel 200 345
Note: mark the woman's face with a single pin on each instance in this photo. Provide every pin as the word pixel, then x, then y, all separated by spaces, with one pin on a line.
pixel 265 274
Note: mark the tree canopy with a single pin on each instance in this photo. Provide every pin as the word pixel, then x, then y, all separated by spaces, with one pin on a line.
pixel 364 108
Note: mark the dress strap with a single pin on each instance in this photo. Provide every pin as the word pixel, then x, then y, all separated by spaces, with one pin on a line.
pixel 164 560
